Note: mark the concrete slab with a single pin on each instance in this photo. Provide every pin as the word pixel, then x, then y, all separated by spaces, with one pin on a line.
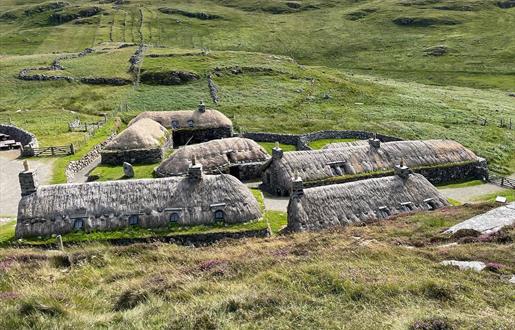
pixel 10 166
pixel 490 221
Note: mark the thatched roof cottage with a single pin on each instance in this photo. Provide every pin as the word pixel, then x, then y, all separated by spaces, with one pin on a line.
pixel 361 201
pixel 143 142
pixel 189 127
pixel 438 160
pixel 150 203
pixel 240 157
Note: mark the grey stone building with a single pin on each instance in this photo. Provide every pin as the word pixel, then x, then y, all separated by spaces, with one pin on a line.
pixel 144 142
pixel 361 201
pixel 150 203
pixel 194 126
pixel 439 161
pixel 240 157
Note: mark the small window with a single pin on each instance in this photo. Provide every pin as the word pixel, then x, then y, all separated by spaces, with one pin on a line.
pixel 174 217
pixel 219 215
pixel 190 123
pixel 384 211
pixel 134 220
pixel 175 124
pixel 431 204
pixel 78 224
pixel 407 206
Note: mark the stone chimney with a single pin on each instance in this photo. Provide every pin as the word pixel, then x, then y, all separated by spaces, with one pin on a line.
pixel 28 180
pixel 374 142
pixel 277 152
pixel 297 187
pixel 402 170
pixel 201 106
pixel 195 171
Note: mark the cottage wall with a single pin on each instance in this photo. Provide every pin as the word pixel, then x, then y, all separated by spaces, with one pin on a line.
pixel 186 136
pixel 134 156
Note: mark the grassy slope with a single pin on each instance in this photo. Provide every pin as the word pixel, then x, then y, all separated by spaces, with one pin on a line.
pixel 359 278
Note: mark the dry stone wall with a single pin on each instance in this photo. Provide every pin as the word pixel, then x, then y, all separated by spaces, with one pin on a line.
pixel 76 166
pixel 19 135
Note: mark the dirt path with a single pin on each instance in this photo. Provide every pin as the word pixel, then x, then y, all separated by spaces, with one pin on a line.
pixel 10 166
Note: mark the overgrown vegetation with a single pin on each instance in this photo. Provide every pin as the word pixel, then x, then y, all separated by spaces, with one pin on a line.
pixel 372 273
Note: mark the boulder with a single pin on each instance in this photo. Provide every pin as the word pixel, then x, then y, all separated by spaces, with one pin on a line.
pixel 465 265
pixel 128 171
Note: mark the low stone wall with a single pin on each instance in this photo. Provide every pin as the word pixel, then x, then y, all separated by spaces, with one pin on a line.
pixel 76 166
pixel 359 135
pixel 292 139
pixel 134 156
pixel 183 136
pixel 456 172
pixel 248 171
pixel 301 141
pixel 20 135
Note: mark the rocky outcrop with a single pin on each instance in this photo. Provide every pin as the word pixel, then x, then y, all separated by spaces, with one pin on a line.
pixel 436 51
pixel 168 77
pixel 67 16
pixel 199 15
pixel 506 4
pixel 424 21
pixel 45 7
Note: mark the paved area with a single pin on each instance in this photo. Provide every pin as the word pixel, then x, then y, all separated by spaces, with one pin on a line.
pixel 490 221
pixel 470 194
pixel 275 203
pixel 10 166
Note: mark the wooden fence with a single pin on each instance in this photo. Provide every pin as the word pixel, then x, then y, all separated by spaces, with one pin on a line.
pixel 51 151
pixel 502 181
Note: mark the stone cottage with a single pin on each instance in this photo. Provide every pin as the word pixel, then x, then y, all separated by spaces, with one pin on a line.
pixel 361 201
pixel 144 142
pixel 150 203
pixel 439 161
pixel 189 127
pixel 240 157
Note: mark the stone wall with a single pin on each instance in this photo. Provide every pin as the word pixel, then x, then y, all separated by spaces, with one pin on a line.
pixel 183 136
pixel 19 135
pixel 359 135
pixel 455 173
pixel 301 141
pixel 76 166
pixel 134 156
pixel 248 171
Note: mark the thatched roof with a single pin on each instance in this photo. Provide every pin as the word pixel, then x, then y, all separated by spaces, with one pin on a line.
pixel 183 119
pixel 144 134
pixel 361 202
pixel 336 145
pixel 313 165
pixel 213 155
pixel 115 198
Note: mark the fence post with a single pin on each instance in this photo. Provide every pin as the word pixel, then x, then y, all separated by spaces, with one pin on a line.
pixel 52 151
pixel 72 149
pixel 502 182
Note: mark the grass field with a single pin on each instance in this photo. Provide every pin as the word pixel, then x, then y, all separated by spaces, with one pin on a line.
pixel 358 277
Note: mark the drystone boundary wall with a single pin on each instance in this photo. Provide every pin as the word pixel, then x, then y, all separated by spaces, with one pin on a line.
pixel 301 141
pixel 76 166
pixel 28 74
pixel 20 135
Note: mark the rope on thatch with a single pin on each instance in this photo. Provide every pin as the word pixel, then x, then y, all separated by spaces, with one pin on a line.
pixel 361 202
pixel 213 155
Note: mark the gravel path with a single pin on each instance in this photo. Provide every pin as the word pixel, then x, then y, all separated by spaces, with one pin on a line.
pixel 470 194
pixel 10 166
